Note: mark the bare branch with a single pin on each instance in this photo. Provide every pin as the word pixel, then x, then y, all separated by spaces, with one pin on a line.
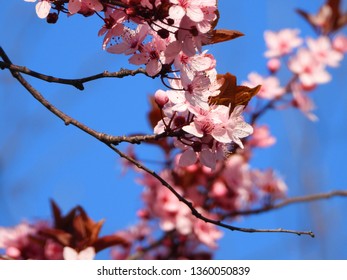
pixel 77 83
pixel 103 137
pixel 289 201
pixel 195 212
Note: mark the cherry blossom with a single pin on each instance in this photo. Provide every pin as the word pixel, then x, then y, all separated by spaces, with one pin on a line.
pixel 230 128
pixel 270 86
pixel 269 184
pixel 84 6
pixel 131 40
pixel 205 150
pixel 261 137
pixel 322 50
pixel 113 26
pixel 310 71
pixel 282 42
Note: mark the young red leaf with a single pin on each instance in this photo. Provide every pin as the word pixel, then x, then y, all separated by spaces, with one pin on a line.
pixel 231 94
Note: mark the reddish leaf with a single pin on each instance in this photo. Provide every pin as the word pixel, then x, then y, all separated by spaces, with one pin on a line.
pixel 58 235
pixel 328 19
pixel 109 241
pixel 62 222
pixel 154 115
pixel 231 94
pixel 222 35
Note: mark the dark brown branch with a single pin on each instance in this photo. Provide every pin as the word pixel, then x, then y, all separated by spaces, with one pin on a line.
pixel 195 212
pixel 289 201
pixel 103 137
pixel 107 139
pixel 77 83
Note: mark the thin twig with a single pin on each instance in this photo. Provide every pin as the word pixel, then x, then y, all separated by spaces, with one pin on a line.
pixel 106 140
pixel 288 201
pixel 77 83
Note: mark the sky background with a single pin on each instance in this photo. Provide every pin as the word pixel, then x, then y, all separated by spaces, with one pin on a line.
pixel 41 158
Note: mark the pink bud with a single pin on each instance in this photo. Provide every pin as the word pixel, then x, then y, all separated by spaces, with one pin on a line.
pixel 273 65
pixel 161 98
pixel 340 43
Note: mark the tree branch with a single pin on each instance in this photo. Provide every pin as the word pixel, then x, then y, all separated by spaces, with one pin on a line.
pixel 103 137
pixel 195 212
pixel 77 83
pixel 289 201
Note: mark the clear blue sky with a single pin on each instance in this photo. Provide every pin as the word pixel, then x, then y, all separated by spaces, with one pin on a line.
pixel 40 158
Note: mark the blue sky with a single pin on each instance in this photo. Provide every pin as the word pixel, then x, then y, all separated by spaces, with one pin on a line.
pixel 40 158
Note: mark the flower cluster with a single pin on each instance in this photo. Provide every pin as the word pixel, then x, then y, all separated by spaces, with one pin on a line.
pixel 308 64
pixel 168 38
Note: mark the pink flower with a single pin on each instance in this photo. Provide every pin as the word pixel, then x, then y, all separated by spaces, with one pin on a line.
pixel 205 150
pixel 230 128
pixel 197 90
pixel 269 184
pixel 151 54
pixel 310 71
pixel 132 39
pixel 190 65
pixel 162 203
pixel 42 7
pixel 15 239
pixel 84 6
pixel 261 137
pixel 113 26
pixel 282 42
pixel 323 51
pixel 270 87
pixel 237 180
pixel 71 254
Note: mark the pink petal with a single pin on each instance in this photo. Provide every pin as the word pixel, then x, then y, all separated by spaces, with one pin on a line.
pixel 87 254
pixel 70 254
pixel 153 67
pixel 195 14
pixel 176 12
pixel 42 9
pixel 188 157
pixel 74 6
pixel 208 158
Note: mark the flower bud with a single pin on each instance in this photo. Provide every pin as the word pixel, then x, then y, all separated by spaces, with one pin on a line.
pixel 161 98
pixel 273 65
pixel 340 43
